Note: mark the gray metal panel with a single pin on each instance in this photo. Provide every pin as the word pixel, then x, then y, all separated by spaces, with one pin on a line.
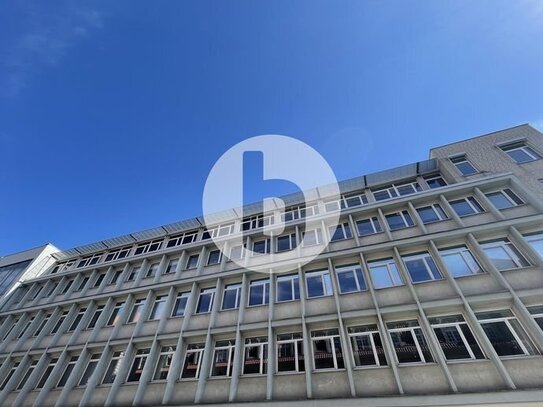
pixel 394 174
pixel 92 247
pixel 149 234
pixel 119 241
pixel 183 226
pixel 353 184
pixel 428 166
pixel 228 215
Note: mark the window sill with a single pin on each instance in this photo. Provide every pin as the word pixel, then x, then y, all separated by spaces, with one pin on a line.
pixel 459 361
pixel 320 296
pixel 471 214
pixel 288 373
pixel 328 370
pixel 516 357
pixel 369 367
pixel 410 364
pixel 370 234
pixel 515 269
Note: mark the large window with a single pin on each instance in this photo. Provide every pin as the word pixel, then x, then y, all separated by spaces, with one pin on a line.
pixel 290 353
pixel 158 307
pixel 59 323
pixel 237 252
pixel 138 364
pixel 231 297
pixel 259 292
pixel 459 261
pixel 384 273
pixel 299 212
pixel 180 304
pixel 318 283
pixel 205 300
pixel 463 165
pixel 346 201
pixel 435 181
pixel 396 190
pixel 67 371
pixel 148 247
pixel 466 206
pixel 261 246
pixel 113 368
pixel 520 152
pixel 172 266
pixel 286 242
pixel 223 358
pixel 455 338
pixel 504 198
pixel 256 355
pixel 115 314
pixel 89 370
pixel 421 267
pixel 399 220
pixel 537 313
pixel 327 352
pixel 504 255
pixel 367 346
pixel 134 270
pixel 152 271
pixel 77 319
pixel 98 281
pixel 44 322
pixel 137 310
pixel 95 316
pixel 505 333
pixel 27 374
pixel 288 288
pixel 350 279
pixel 46 374
pixel 214 257
pixel 368 226
pixel 409 342
pixel 192 261
pixel 164 362
pixel 340 232
pixel 431 213
pixel 536 241
pixel 193 361
pixel 311 237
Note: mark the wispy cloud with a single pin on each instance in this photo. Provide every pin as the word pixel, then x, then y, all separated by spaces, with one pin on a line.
pixel 43 38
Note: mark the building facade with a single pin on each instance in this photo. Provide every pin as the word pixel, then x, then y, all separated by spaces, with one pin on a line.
pixel 429 293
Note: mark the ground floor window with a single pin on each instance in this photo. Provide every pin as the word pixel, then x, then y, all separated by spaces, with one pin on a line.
pixel 290 353
pixel 367 346
pixel 327 351
pixel 409 342
pixel 256 355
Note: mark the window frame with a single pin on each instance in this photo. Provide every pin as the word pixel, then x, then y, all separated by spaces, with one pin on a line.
pixel 509 195
pixel 325 278
pixel 296 341
pixel 411 330
pixel 386 262
pixel 293 279
pixel 460 251
pixel 197 349
pixel 436 209
pixel 514 254
pixel 424 256
pixel 373 221
pixel 351 268
pixel 206 291
pixel 472 202
pixel 406 218
pixel 460 159
pixel 457 325
pixel 327 337
pixel 237 288
pixel 265 283
pixel 369 331
pixel 263 354
pixel 523 146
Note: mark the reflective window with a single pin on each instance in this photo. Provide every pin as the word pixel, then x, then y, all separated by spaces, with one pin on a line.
pixel 259 292
pixel 466 206
pixel 164 362
pixel 318 283
pixel 463 165
pixel 89 370
pixel 455 338
pixel 67 371
pixel 409 342
pixel 520 152
pixel 288 288
pixel 504 255
pixel 138 364
pixel 180 304
pixel 137 310
pixel 459 261
pixel 399 220
pixel 158 307
pixel 340 232
pixel 327 351
pixel 205 301
pixel 431 213
pixel 504 199
pixel 350 279
pixel 368 226
pixel 421 267
pixel 536 241
pixel 113 367
pixel 231 297
pixel 192 261
pixel 384 273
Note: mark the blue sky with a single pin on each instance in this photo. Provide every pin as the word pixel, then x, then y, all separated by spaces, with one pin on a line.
pixel 112 113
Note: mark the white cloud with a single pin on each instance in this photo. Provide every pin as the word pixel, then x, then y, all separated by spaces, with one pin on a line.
pixel 44 38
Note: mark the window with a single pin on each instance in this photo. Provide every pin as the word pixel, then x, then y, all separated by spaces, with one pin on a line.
pixel 421 267
pixel 327 353
pixel 192 262
pixel 350 279
pixel 261 247
pixel 384 273
pixel 134 270
pixel 455 338
pixel 536 241
pixel 117 254
pixel 148 247
pixel 537 312
pixel 288 288
pixel 26 376
pixel 431 213
pixel 318 283
pixel 466 206
pixel 435 181
pixel 299 212
pixel 205 301
pixel 42 325
pixel 113 368
pixel 46 374
pixel 165 359
pixel 27 325
pixel 89 261
pixel 137 310
pixel 340 232
pixel 193 361
pixel 368 226
pixel 67 371
pixel 504 255
pixel 286 242
pixel 184 238
pixel 9 375
pixel 409 342
pixel 89 370
pixel 53 285
pixel 255 222
pixel 311 237
pixel 399 220
pixel 256 355
pixel 231 296
pixel 40 288
pixel 505 333
pixel 77 319
pixel 504 199
pixel 158 307
pixel 180 304
pixel 152 271
pixel 172 266
pixel 96 315
pixel 396 190
pixel 218 231
pixel 223 358
pixel 59 323
pixel 463 165
pixel 15 320
pixel 136 370
pixel 99 280
pixel 259 292
pixel 64 290
pixel 237 252
pixel 459 261
pixel 367 346
pixel 520 152
pixel 115 314
pixel 214 257
pixel 116 275
pixel 346 201
pixel 290 353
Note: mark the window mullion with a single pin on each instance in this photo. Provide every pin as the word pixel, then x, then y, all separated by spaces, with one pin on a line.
pixel 417 344
pixel 466 344
pixel 517 338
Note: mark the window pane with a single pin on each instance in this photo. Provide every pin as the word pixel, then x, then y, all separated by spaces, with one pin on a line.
pixel 404 345
pixel 324 357
pixel 314 286
pixel 499 200
pixel 502 339
pixel 451 343
pixel 347 282
pixel 286 357
pixel 179 307
pixel 500 258
pixel 362 350
pixel 417 270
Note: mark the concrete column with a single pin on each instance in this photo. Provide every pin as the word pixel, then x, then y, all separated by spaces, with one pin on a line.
pixel 271 338
pixel 147 374
pixel 181 264
pixel 487 204
pixel 96 376
pixel 450 211
pixel 354 230
pixel 53 378
pixel 32 381
pixel 526 248
pixel 124 367
pixel 161 268
pixel 384 222
pixel 73 379
pixel 418 219
pixel 308 355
